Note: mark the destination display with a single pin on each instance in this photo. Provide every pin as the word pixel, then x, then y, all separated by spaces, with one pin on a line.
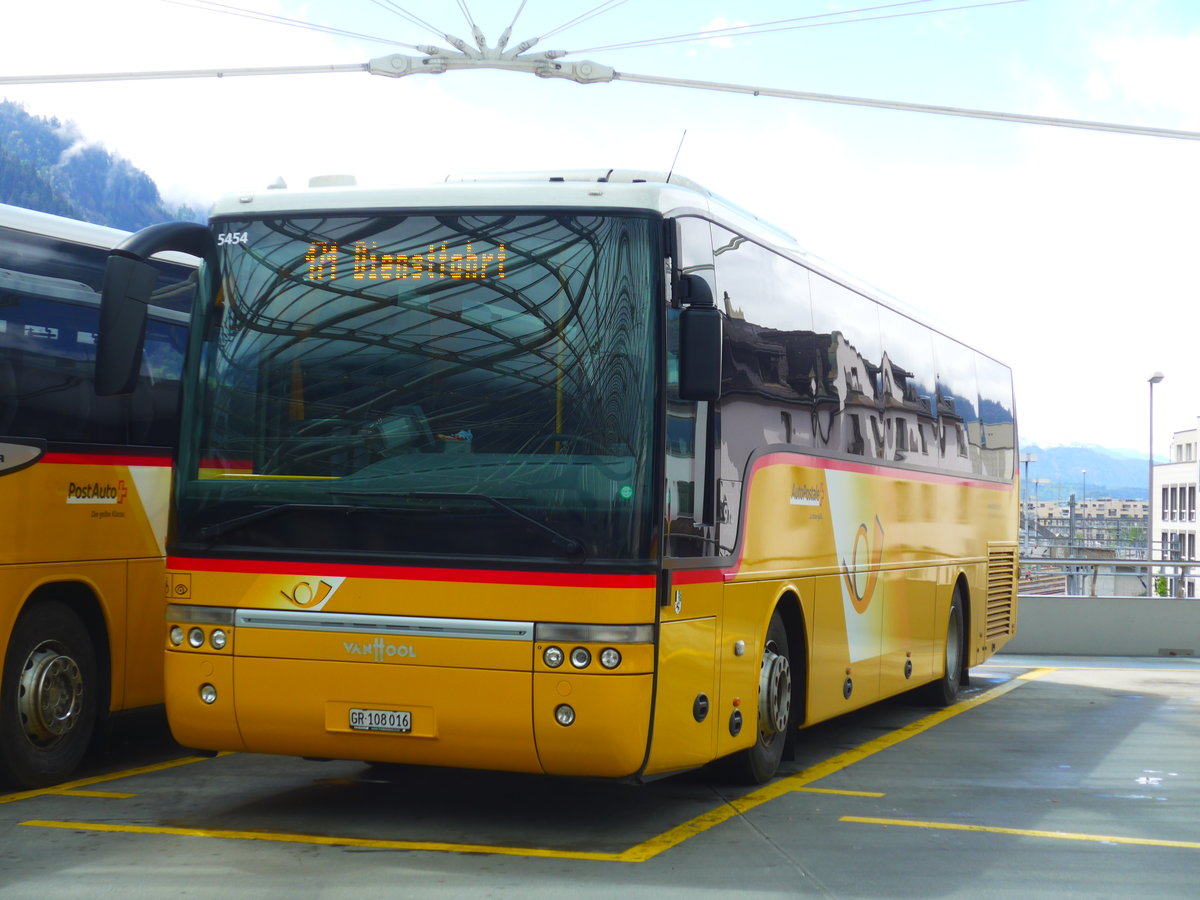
pixel 328 260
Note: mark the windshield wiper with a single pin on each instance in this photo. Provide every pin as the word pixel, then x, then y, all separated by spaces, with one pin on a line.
pixel 211 531
pixel 572 547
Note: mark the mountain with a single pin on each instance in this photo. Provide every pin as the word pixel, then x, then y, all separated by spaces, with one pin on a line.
pixel 48 165
pixel 1119 474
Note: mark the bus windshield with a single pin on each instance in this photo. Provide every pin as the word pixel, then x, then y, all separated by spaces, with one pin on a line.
pixel 448 384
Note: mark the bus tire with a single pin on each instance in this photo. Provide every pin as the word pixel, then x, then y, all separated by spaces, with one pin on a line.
pixel 944 691
pixel 48 697
pixel 757 764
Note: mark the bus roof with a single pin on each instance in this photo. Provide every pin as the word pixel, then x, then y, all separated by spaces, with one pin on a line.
pixel 661 192
pixel 665 193
pixel 73 230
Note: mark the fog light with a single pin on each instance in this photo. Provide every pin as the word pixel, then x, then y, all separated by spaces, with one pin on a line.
pixel 610 658
pixel 196 637
pixel 176 635
pixel 218 639
pixel 581 657
pixel 553 657
pixel 564 715
pixel 208 693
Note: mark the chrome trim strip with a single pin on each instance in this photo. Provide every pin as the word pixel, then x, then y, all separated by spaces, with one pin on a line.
pixel 594 634
pixel 407 626
pixel 200 615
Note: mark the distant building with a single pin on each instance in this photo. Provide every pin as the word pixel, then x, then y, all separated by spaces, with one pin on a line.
pixel 1103 508
pixel 1100 523
pixel 1174 526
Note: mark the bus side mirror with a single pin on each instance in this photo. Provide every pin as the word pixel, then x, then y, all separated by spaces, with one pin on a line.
pixel 699 342
pixel 128 284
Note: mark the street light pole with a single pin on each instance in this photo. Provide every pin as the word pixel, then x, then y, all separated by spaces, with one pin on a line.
pixel 1154 379
pixel 1026 459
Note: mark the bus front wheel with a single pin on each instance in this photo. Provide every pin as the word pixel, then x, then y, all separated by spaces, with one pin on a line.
pixel 47 697
pixel 759 763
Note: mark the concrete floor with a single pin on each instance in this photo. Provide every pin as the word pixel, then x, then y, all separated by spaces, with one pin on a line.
pixel 1065 777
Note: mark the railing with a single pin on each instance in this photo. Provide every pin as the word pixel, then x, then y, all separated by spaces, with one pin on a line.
pixel 1107 607
pixel 1113 577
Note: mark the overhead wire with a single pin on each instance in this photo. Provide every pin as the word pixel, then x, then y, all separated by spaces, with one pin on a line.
pixel 516 15
pixel 396 9
pixel 466 11
pixel 783 24
pixel 253 15
pixel 608 5
pixel 600 9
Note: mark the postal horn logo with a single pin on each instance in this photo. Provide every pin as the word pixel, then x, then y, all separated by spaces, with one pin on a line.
pixel 312 593
pixel 861 575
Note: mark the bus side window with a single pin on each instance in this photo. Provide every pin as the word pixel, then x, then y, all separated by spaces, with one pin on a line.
pixel 45 345
pixel 690 428
pixel 997 422
pixel 689 474
pixel 153 406
pixel 47 377
pixel 958 407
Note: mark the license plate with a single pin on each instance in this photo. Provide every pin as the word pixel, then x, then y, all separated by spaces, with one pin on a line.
pixel 380 720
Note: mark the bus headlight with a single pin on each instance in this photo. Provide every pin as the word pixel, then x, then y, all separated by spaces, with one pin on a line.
pixel 196 637
pixel 610 657
pixel 564 715
pixel 176 635
pixel 553 657
pixel 208 694
pixel 581 657
pixel 218 639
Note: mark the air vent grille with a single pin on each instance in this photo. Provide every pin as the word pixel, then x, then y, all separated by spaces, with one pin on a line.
pixel 1001 590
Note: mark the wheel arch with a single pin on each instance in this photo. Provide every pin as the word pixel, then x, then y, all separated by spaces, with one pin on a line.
pixel 792 612
pixel 81 599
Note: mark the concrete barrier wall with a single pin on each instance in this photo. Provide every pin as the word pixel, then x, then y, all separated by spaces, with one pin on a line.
pixel 1107 626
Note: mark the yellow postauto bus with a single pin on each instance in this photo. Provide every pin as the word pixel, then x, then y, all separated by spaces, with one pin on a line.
pixel 84 484
pixel 577 473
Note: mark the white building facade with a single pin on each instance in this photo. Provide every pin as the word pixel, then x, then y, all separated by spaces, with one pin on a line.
pixel 1174 527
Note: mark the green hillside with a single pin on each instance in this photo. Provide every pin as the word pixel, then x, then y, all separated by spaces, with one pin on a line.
pixel 48 166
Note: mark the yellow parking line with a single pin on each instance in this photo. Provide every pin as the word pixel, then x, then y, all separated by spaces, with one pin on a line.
pixel 638 853
pixel 277 837
pixel 812 790
pixel 801 780
pixel 1026 832
pixel 103 795
pixel 100 779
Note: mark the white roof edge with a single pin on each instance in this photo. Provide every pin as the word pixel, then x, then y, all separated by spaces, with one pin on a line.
pixel 21 219
pixel 76 231
pixel 601 176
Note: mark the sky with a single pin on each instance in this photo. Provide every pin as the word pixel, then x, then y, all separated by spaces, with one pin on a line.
pixel 1066 254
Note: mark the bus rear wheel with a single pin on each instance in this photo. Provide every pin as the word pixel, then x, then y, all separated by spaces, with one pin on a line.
pixel 759 763
pixel 47 697
pixel 944 691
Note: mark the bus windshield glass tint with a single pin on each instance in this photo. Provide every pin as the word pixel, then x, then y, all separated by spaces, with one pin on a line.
pixel 450 384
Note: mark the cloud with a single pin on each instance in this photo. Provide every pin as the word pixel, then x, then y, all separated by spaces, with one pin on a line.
pixel 1158 72
pixel 720 23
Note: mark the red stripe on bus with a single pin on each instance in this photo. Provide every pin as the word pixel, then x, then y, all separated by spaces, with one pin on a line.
pixel 228 465
pixel 101 459
pixel 413 573
pixel 698 576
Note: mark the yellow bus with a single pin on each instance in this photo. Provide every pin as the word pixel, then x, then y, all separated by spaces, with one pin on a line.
pixel 579 473
pixel 84 484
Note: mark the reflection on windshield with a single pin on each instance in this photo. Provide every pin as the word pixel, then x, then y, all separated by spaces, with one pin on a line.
pixel 414 363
